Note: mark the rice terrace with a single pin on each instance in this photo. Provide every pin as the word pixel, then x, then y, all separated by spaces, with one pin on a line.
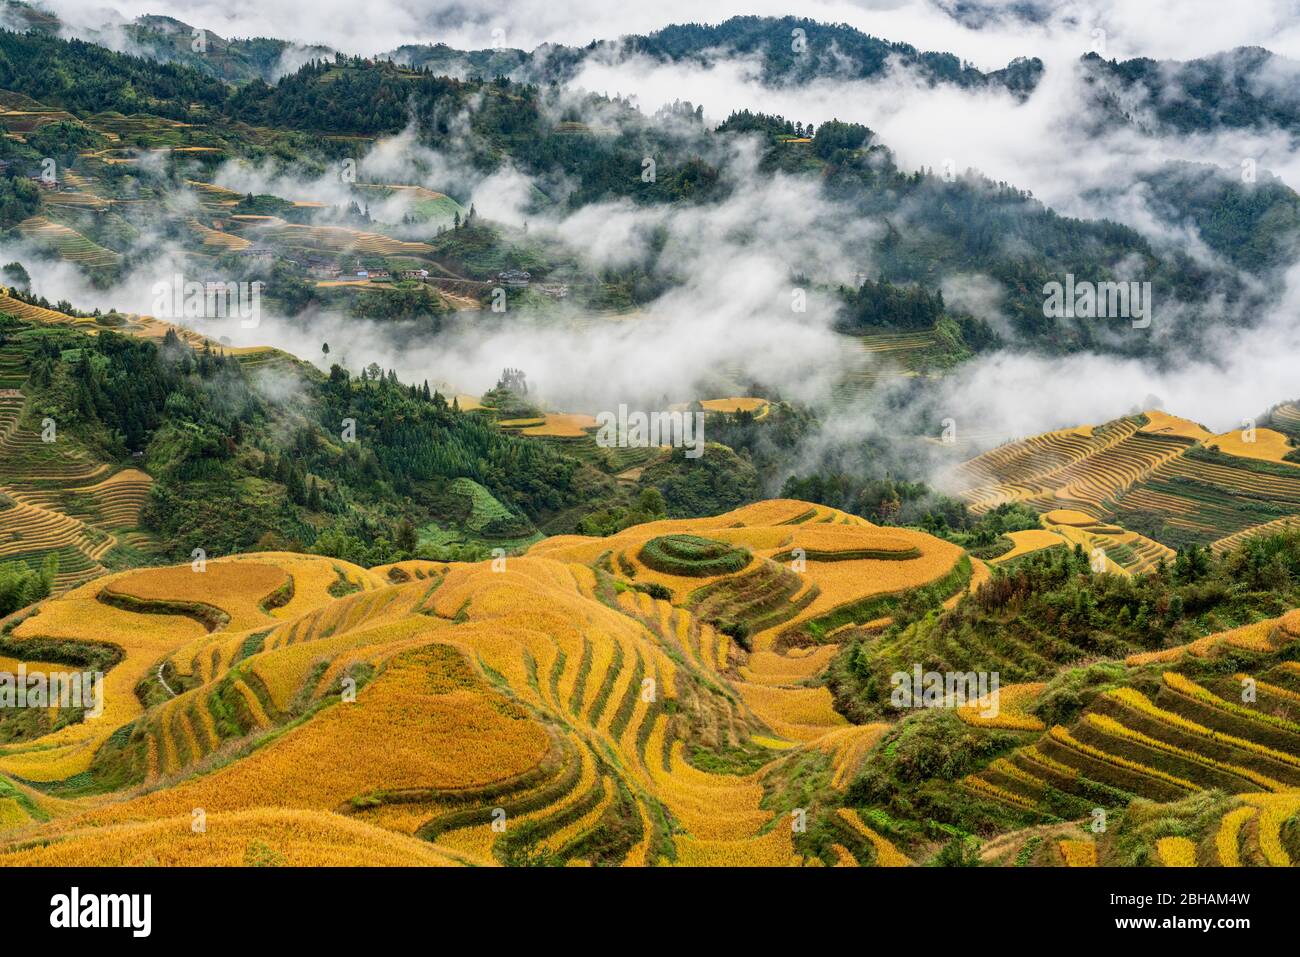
pixel 490 437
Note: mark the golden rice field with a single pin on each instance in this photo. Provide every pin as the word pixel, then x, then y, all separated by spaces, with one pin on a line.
pixel 1162 423
pixel 1078 853
pixel 1007 708
pixel 218 238
pixel 1259 636
pixel 1204 487
pixel 552 424
pixel 60 500
pixel 333 238
pixel 887 854
pixel 1078 468
pixel 1267 445
pixel 67 243
pixel 551 710
pixel 741 403
pixel 214 196
pixel 1138 553
pixel 403 715
pixel 260 837
pixel 1030 540
pixel 466 402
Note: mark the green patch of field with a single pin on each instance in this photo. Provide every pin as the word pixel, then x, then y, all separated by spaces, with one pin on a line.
pixel 477 522
pixel 693 556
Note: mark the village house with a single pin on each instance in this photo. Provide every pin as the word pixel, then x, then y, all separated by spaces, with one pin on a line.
pixel 259 253
pixel 322 268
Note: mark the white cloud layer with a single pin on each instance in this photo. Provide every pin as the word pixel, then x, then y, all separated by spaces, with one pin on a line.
pixel 1156 28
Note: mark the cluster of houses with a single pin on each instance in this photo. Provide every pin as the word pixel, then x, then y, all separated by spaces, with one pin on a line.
pixel 521 277
pixel 39 177
pixel 331 270
pixel 259 254
pixel 322 268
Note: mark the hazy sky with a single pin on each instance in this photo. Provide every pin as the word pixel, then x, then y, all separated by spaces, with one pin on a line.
pixel 1157 28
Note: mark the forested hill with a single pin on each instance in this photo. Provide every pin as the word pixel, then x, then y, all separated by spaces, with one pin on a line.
pixel 934 225
pixel 1247 87
pixel 1243 88
pixel 789 50
pixel 83 77
pixel 796 50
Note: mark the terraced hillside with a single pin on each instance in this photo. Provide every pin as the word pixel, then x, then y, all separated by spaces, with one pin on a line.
pixel 131 324
pixel 56 497
pixel 648 698
pixel 330 238
pixel 218 239
pixel 1286 418
pixel 68 244
pixel 1150 483
pixel 1205 496
pixel 1123 551
pixel 871 360
pixel 413 707
pixel 1219 753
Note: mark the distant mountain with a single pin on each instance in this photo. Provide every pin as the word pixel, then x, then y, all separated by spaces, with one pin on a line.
pixel 796 50
pixel 1245 88
pixel 172 41
pixel 23 16
pixel 791 50
pixel 976 15
pixel 1253 225
pixel 168 40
